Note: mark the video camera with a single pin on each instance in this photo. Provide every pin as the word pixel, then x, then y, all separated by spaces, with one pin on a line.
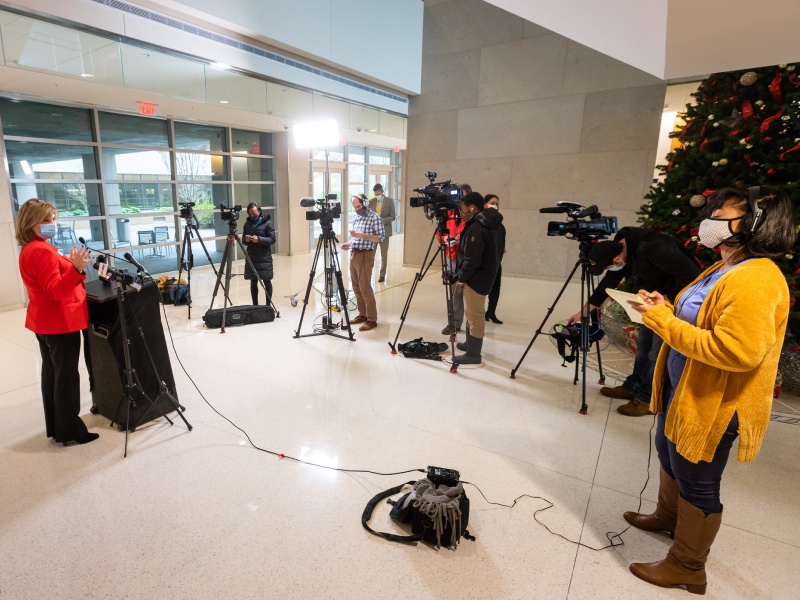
pixel 585 224
pixel 186 209
pixel 437 198
pixel 230 213
pixel 327 209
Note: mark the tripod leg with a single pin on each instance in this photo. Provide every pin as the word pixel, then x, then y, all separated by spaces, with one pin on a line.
pixel 426 265
pixel 249 261
pixel 585 346
pixel 547 316
pixel 310 285
pixel 342 294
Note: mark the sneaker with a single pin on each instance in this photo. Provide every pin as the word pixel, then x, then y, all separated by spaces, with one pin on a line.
pixel 448 331
pixel 358 319
pixel 368 325
pixel 618 393
pixel 634 409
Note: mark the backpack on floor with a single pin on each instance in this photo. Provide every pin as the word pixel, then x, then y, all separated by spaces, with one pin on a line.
pixel 420 349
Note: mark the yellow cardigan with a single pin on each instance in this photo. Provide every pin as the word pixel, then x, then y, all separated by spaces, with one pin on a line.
pixel 732 353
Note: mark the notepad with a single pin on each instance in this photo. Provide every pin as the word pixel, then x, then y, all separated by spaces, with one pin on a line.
pixel 622 298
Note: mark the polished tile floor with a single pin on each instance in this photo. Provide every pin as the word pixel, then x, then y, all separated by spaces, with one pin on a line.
pixel 202 514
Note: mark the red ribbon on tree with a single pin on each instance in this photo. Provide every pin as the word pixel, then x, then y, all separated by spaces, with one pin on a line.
pixel 748 159
pixel 747 109
pixel 683 228
pixel 793 79
pixel 775 88
pixel 709 193
pixel 703 144
pixel 767 122
pixel 782 155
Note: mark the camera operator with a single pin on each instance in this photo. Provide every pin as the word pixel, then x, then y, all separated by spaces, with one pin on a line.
pixel 258 235
pixel 660 264
pixel 367 232
pixel 478 260
pixel 455 226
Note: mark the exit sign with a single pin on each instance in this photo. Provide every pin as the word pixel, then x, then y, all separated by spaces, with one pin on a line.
pixel 147 109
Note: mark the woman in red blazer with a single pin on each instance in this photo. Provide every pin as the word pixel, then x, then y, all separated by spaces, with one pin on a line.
pixel 57 313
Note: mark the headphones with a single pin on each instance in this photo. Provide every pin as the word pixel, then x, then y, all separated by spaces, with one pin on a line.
pixel 756 215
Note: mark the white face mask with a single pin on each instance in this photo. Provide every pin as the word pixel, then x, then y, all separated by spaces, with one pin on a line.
pixel 712 232
pixel 494 206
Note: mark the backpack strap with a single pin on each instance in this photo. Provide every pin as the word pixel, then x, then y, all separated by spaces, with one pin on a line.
pixel 367 515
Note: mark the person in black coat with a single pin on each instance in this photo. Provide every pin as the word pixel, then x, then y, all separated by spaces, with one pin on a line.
pixel 659 263
pixel 493 202
pixel 259 235
pixel 478 261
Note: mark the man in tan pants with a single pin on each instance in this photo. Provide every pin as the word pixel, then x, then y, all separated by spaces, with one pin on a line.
pixel 366 232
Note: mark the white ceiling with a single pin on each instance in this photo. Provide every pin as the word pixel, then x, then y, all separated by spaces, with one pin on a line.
pixel 674 39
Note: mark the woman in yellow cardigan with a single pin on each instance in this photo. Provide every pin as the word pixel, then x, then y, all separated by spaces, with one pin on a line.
pixel 715 374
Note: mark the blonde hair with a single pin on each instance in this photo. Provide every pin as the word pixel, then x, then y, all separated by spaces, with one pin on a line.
pixel 31 214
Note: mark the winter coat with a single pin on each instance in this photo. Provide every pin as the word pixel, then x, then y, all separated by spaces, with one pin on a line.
pixel 259 252
pixel 658 262
pixel 478 256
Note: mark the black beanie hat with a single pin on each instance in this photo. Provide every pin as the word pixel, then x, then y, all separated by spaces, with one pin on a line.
pixel 601 256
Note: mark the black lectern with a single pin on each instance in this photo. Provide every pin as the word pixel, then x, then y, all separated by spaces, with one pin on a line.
pixel 107 359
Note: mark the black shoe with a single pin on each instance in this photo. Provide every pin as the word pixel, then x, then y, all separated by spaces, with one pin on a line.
pixel 84 439
pixel 94 410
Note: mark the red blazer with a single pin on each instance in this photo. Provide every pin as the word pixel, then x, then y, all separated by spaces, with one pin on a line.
pixel 57 296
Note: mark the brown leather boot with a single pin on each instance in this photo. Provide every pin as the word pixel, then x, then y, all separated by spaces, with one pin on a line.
pixel 685 564
pixel 666 514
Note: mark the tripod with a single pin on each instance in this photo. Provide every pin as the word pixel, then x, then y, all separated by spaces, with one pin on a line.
pixel 326 245
pixel 132 381
pixel 587 287
pixel 441 252
pixel 187 257
pixel 225 264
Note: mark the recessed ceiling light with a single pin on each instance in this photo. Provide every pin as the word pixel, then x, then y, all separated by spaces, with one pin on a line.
pixel 223 101
pixel 87 75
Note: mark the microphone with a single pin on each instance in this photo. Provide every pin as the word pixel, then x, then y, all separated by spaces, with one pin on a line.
pixel 554 209
pixel 106 272
pixel 129 257
pixel 83 242
pixel 307 202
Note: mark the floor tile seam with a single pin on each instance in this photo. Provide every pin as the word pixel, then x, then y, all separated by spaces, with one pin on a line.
pixel 761 535
pixel 589 501
pixel 17 344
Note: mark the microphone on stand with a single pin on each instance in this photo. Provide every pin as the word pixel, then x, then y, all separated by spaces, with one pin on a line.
pixel 129 257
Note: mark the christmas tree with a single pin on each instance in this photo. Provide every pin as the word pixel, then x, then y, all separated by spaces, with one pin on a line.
pixel 743 130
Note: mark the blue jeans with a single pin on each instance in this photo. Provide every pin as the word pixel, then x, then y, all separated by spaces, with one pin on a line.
pixel 698 483
pixel 640 382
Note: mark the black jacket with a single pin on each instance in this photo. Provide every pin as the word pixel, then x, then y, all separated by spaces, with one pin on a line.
pixel 657 261
pixel 260 253
pixel 478 256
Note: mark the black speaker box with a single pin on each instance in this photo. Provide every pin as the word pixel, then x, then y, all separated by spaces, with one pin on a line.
pixel 107 358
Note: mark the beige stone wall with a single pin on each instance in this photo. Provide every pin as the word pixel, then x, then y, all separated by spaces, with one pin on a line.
pixel 516 110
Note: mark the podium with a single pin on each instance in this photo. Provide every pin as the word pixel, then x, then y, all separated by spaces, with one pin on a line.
pixel 107 360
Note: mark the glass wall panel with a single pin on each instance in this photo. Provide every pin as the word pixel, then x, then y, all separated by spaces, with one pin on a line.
pixel 32 119
pixel 161 73
pixel 252 169
pixel 335 153
pixel 200 167
pixel 132 131
pixel 356 154
pixel 380 156
pixel 71 199
pixel 207 197
pixel 191 136
pixel 133 198
pixel 261 194
pixel 235 90
pixel 27 160
pixel 251 142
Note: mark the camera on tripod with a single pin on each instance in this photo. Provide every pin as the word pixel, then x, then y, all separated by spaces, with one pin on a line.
pixel 230 213
pixel 585 224
pixel 327 209
pixel 186 209
pixel 437 198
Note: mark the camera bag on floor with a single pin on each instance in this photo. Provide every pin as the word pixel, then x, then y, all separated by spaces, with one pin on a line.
pixel 239 315
pixel 420 349
pixel 439 514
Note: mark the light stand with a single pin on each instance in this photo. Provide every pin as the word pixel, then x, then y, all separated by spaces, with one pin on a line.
pixel 587 287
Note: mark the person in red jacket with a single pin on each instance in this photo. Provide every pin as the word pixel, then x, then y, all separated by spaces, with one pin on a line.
pixel 57 313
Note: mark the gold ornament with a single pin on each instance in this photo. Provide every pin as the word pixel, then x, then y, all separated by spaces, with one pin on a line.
pixel 697 200
pixel 748 78
pixel 723 161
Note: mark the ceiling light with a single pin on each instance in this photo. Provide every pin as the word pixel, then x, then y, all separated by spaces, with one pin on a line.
pixel 223 101
pixel 87 75
pixel 219 65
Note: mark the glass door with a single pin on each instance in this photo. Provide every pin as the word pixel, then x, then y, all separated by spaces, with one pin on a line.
pixel 335 185
pixel 382 175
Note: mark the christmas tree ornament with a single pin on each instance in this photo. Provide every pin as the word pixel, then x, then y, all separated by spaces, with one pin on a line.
pixel 723 161
pixel 710 117
pixel 715 164
pixel 697 201
pixel 748 78
pixel 676 212
pixel 716 124
pixel 785 118
pixel 743 142
pixel 791 68
pixel 759 103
